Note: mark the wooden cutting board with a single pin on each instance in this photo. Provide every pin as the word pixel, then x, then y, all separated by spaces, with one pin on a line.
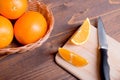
pixel 89 51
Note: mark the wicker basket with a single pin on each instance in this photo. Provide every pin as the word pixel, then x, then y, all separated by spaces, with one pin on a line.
pixel 15 47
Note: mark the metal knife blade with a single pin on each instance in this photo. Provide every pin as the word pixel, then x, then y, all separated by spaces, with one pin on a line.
pixel 102 35
pixel 104 66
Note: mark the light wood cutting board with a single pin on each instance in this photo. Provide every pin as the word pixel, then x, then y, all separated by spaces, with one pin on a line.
pixel 89 51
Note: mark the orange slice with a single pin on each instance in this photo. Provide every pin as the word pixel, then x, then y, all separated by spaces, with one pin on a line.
pixel 72 58
pixel 82 34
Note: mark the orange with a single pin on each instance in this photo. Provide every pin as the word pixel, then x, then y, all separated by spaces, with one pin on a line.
pixel 82 34
pixel 13 9
pixel 72 57
pixel 30 27
pixel 6 32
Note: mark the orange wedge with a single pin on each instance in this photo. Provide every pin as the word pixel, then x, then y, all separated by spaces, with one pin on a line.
pixel 72 58
pixel 82 34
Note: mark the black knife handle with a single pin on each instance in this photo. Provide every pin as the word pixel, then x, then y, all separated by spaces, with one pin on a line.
pixel 104 66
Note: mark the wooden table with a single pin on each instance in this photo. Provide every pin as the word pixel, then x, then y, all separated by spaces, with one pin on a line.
pixel 39 64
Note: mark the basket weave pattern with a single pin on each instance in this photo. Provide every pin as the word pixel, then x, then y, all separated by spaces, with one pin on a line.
pixel 34 5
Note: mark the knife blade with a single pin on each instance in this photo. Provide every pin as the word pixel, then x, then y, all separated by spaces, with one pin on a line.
pixel 103 48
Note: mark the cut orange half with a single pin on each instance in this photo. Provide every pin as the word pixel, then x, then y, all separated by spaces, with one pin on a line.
pixel 82 34
pixel 72 57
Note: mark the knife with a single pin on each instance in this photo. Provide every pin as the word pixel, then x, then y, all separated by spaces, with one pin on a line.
pixel 104 66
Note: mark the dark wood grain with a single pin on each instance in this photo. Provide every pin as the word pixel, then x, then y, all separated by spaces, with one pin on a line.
pixel 112 24
pixel 39 64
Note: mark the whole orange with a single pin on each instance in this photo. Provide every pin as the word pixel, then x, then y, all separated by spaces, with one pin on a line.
pixel 13 9
pixel 6 32
pixel 30 27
